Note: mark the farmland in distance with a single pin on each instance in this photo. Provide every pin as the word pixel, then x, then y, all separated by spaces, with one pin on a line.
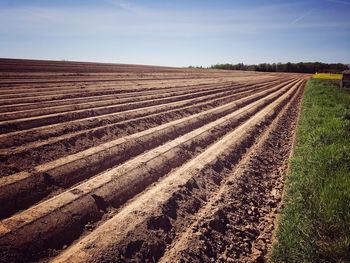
pixel 128 163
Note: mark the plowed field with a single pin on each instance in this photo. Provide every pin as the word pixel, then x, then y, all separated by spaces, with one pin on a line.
pixel 125 163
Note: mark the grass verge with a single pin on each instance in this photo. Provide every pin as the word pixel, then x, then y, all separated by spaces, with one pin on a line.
pixel 327 76
pixel 315 222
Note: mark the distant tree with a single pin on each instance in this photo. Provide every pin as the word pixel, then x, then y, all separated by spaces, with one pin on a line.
pixel 301 67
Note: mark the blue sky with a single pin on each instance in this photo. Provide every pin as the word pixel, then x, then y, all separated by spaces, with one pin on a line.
pixel 178 32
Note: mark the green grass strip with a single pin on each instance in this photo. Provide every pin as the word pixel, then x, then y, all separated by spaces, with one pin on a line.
pixel 315 222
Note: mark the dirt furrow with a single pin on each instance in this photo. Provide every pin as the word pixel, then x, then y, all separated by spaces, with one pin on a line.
pixel 68 102
pixel 67 170
pixel 85 90
pixel 240 229
pixel 22 114
pixel 62 87
pixel 156 83
pixel 37 152
pixel 37 121
pixel 125 163
pixel 101 79
pixel 62 126
pixel 74 91
pixel 118 79
pixel 20 137
pixel 100 131
pixel 141 230
pixel 72 105
pixel 86 201
pixel 79 103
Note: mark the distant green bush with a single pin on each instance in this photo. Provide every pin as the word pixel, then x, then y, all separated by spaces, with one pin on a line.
pixel 301 67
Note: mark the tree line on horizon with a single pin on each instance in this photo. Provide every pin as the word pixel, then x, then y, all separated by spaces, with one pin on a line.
pixel 301 67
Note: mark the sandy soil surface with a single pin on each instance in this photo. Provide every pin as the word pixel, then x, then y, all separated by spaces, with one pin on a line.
pixel 128 163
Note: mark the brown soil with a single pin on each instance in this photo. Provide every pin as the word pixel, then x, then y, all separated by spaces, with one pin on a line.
pixel 126 163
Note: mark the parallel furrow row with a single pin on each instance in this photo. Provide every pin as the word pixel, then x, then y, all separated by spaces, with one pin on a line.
pixel 82 87
pixel 67 102
pixel 78 78
pixel 75 79
pixel 105 85
pixel 163 209
pixel 51 220
pixel 37 152
pixel 84 91
pixel 231 230
pixel 32 122
pixel 67 170
pixel 95 109
pixel 117 95
pixel 63 126
pixel 110 100
pixel 85 87
pixel 126 163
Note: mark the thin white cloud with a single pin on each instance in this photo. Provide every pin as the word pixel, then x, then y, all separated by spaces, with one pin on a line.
pixel 298 19
pixel 130 7
pixel 339 2
pixel 135 20
pixel 121 4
